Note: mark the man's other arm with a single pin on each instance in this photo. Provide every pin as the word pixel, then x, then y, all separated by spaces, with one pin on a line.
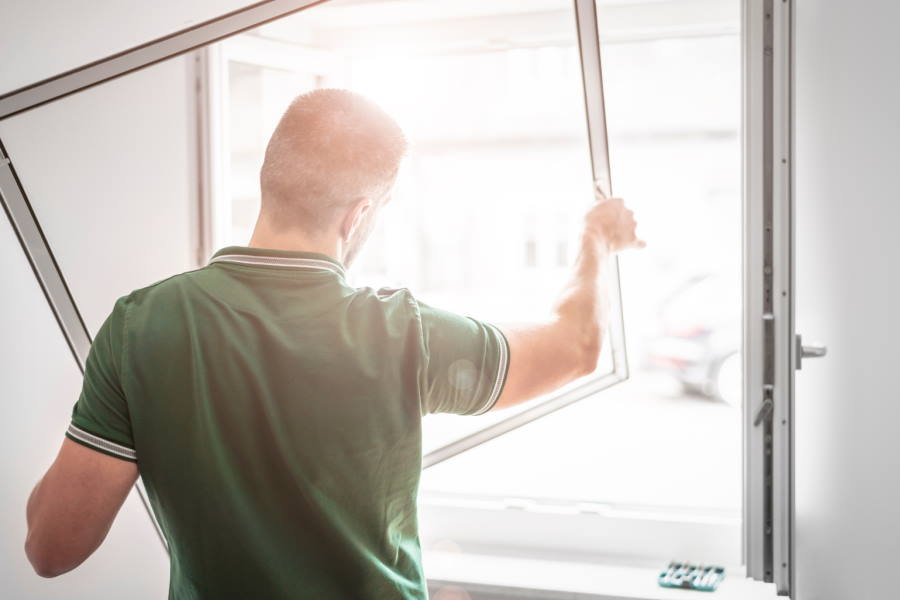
pixel 72 508
pixel 546 356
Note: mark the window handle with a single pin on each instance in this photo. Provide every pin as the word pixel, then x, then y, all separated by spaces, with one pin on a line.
pixel 812 351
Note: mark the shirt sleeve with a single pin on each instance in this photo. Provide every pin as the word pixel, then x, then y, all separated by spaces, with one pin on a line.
pixel 100 419
pixel 465 363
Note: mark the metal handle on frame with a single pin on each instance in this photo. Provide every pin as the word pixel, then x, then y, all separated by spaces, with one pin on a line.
pixel 813 351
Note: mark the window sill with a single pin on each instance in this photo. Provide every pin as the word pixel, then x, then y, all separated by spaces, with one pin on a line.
pixel 465 575
pixel 568 531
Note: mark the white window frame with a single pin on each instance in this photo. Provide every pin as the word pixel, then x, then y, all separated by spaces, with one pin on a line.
pixel 769 348
pixel 212 85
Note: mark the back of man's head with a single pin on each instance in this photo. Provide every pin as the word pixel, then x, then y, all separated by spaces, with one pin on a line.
pixel 330 149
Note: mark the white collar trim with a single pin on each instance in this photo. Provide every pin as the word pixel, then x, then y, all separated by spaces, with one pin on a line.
pixel 296 262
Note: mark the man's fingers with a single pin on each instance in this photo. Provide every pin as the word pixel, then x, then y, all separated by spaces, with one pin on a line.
pixel 612 221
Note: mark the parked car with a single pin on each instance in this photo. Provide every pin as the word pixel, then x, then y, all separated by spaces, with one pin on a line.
pixel 700 322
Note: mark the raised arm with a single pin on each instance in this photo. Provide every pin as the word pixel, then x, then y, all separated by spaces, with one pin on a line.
pixel 546 356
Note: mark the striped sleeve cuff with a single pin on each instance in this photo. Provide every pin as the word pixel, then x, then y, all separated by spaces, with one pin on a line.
pixel 97 443
pixel 502 369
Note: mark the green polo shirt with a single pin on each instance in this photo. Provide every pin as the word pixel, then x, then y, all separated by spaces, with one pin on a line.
pixel 275 413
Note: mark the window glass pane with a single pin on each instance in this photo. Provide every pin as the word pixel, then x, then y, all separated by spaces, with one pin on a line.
pixel 671 435
pixel 489 203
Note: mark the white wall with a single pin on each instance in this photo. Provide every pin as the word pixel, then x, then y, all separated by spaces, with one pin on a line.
pixel 40 383
pixel 42 38
pixel 111 175
pixel 848 250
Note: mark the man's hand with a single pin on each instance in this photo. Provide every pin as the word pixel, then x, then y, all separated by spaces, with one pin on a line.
pixel 546 356
pixel 611 226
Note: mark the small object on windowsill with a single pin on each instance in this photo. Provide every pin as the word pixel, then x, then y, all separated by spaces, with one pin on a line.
pixel 692 577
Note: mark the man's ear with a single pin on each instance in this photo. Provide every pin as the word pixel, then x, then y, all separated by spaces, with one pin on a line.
pixel 354 217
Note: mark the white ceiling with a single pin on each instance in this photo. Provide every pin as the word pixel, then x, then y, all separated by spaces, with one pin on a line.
pixel 42 38
pixel 357 24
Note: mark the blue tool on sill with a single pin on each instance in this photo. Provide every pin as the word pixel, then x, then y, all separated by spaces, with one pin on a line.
pixel 692 577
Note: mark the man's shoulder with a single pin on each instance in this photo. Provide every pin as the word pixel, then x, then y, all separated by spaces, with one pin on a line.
pixel 402 304
pixel 401 295
pixel 386 299
pixel 394 308
pixel 168 286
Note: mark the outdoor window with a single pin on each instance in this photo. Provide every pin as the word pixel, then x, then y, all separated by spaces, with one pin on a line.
pixel 486 214
pixel 671 435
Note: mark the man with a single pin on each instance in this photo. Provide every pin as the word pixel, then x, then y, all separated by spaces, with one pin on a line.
pixel 273 411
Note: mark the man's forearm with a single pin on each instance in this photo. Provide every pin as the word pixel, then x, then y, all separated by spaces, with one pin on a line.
pixel 61 532
pixel 545 356
pixel 582 308
pixel 31 506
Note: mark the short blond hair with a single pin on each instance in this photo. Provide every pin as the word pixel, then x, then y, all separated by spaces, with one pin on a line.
pixel 330 148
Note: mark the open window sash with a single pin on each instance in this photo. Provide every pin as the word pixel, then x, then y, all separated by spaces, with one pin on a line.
pixel 47 269
pixel 614 368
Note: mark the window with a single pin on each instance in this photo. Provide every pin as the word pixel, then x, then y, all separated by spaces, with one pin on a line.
pixel 668 441
pixel 671 80
pixel 673 108
pixel 490 201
